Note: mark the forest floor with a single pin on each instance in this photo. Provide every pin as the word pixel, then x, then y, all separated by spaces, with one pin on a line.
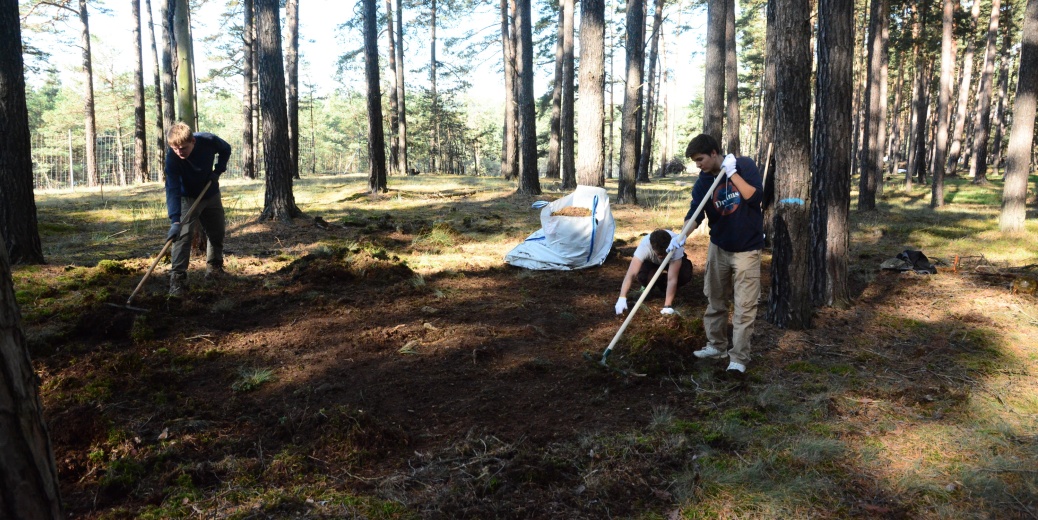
pixel 391 365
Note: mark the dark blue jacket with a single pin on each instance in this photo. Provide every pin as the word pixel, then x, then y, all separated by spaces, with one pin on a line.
pixel 736 224
pixel 187 177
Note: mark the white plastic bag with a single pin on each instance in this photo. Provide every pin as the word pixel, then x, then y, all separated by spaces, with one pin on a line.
pixel 565 243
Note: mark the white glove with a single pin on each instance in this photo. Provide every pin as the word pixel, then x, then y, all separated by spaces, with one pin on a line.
pixel 667 311
pixel 677 242
pixel 542 203
pixel 621 305
pixel 728 165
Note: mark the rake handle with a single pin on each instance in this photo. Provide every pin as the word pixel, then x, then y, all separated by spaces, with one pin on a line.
pixel 169 243
pixel 684 231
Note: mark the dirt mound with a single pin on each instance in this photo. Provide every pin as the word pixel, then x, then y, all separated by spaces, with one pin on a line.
pixel 379 267
pixel 341 267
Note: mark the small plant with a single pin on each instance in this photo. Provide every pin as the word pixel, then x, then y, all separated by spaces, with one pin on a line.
pixel 140 331
pixel 250 379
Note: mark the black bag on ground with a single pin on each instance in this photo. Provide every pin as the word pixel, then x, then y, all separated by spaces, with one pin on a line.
pixel 910 260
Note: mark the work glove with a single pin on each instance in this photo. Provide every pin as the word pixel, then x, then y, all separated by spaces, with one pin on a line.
pixel 621 305
pixel 174 231
pixel 677 242
pixel 728 165
pixel 215 177
pixel 667 311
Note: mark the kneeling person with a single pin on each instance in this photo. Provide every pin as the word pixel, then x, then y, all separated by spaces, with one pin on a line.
pixel 647 259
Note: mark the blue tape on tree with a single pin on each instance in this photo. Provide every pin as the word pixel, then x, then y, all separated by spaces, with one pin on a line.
pixel 799 202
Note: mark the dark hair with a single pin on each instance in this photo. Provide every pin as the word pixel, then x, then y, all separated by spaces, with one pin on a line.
pixel 659 240
pixel 702 143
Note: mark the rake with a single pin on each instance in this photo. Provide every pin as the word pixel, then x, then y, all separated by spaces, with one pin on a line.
pixel 645 292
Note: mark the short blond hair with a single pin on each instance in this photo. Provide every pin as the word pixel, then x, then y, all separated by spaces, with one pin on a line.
pixel 179 134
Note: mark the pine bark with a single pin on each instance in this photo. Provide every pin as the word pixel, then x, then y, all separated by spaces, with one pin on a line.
pixel 1021 136
pixel 185 64
pixel 789 305
pixel 278 201
pixel 140 150
pixel 248 102
pixel 1003 91
pixel 831 160
pixel 982 121
pixel 529 184
pixel 552 166
pixel 401 136
pixel 510 144
pixel 965 81
pixel 632 108
pixel 731 82
pixel 292 73
pixel 376 138
pixel 943 103
pixel 89 118
pixel 644 162
pixel 713 78
pixel 871 180
pixel 590 158
pixel 394 104
pixel 169 113
pixel 569 177
pixel 160 128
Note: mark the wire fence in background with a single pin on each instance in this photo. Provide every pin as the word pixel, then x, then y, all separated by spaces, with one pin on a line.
pixel 59 161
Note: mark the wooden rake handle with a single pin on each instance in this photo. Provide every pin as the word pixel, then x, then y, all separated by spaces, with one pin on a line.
pixel 684 231
pixel 169 243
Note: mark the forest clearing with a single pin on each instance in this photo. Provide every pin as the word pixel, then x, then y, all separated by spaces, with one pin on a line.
pixel 391 365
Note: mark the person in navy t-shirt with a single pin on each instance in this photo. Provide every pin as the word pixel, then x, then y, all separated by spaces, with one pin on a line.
pixel 193 161
pixel 732 271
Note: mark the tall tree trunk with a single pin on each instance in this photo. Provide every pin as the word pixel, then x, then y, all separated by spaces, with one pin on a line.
pixel 923 71
pixel 894 146
pixel 292 71
pixel 1003 91
pixel 552 167
pixel 434 142
pixel 789 305
pixel 169 113
pixel 18 225
pixel 376 138
pixel 982 122
pixel 529 184
pixel 731 82
pixel 1021 136
pixel 569 176
pixel 160 129
pixel 140 152
pixel 278 201
pixel 28 476
pixel 257 130
pixel 394 103
pixel 632 111
pixel 713 79
pixel 185 64
pixel 401 135
pixel 650 103
pixel 590 159
pixel 831 160
pixel 966 79
pixel 93 179
pixel 870 185
pixel 943 103
pixel 248 102
pixel 510 143
pixel 767 107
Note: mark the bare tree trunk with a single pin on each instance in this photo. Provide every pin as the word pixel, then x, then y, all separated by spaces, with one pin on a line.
pixel 831 160
pixel 590 160
pixel 529 184
pixel 713 80
pixel 140 152
pixel 93 179
pixel 875 108
pixel 982 122
pixel 966 80
pixel 650 103
pixel 894 143
pixel 767 110
pixel 943 102
pixel 160 128
pixel 292 71
pixel 921 105
pixel 169 113
pixel 248 102
pixel 629 135
pixel 394 105
pixel 510 148
pixel 279 202
pixel 376 138
pixel 401 134
pixel 789 305
pixel 185 64
pixel 569 177
pixel 434 148
pixel 1003 91
pixel 552 167
pixel 731 81
pixel 1021 138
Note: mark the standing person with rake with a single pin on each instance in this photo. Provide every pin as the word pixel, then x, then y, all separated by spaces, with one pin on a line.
pixel 732 271
pixel 191 174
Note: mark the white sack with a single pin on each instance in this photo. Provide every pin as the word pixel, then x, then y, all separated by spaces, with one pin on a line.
pixel 565 243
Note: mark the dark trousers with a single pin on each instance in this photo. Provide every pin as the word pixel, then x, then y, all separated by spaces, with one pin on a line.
pixel 649 269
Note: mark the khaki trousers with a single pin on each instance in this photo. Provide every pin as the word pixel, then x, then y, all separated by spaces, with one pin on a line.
pixel 731 277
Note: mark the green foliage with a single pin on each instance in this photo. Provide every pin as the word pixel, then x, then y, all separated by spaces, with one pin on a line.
pixel 250 379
